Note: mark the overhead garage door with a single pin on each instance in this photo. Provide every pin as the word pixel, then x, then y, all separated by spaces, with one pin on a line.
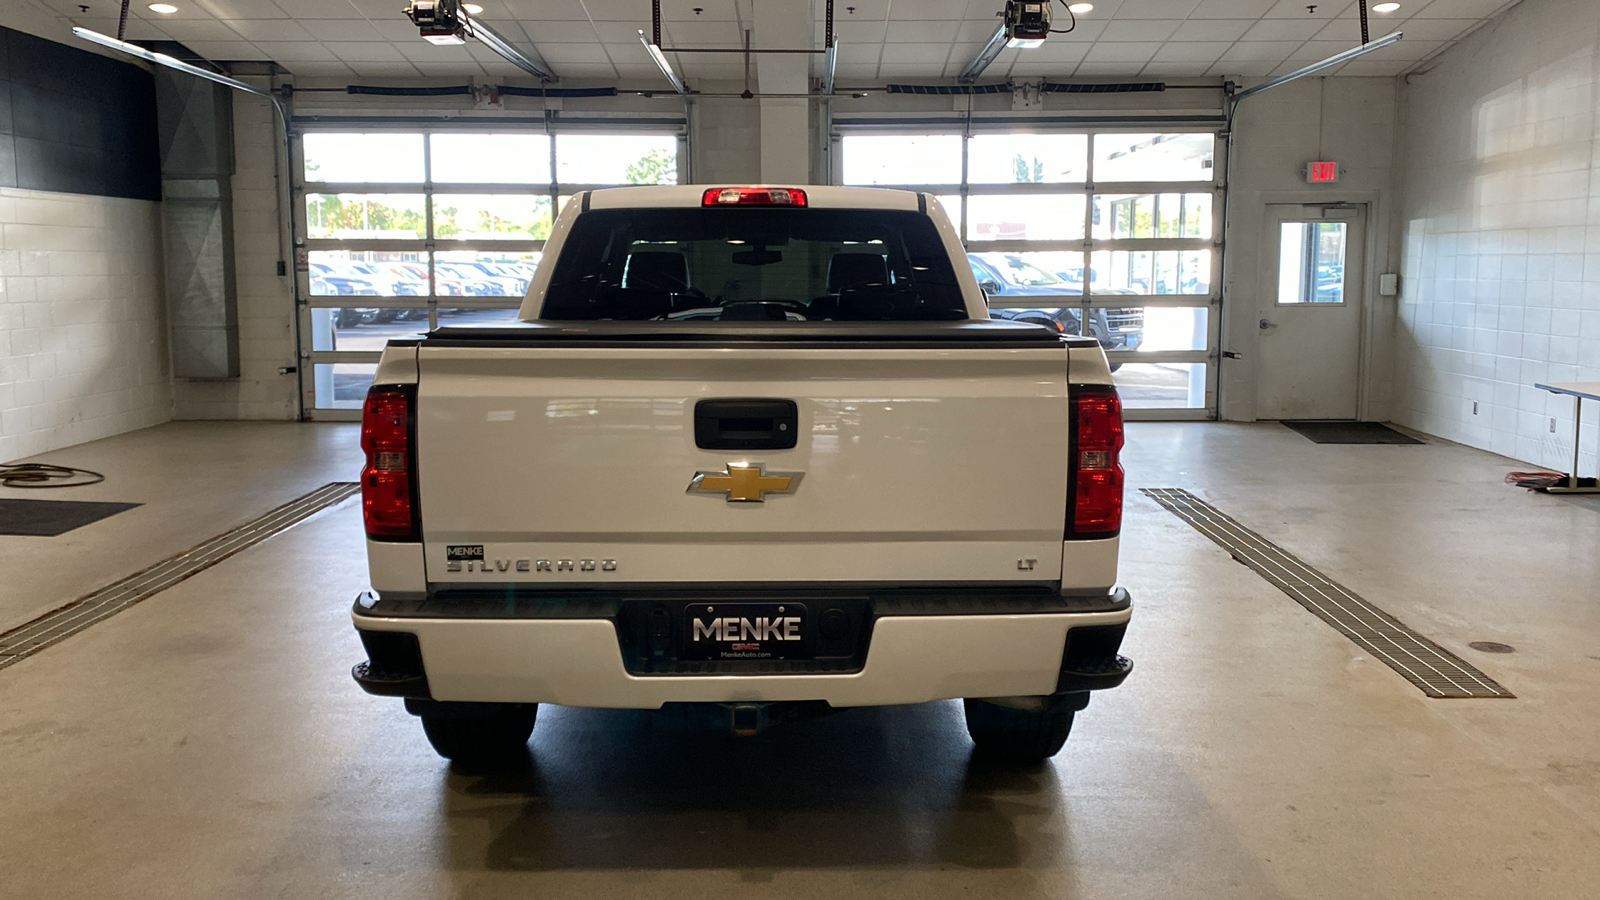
pixel 407 229
pixel 1109 232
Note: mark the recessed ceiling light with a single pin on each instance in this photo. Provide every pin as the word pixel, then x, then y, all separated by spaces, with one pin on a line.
pixel 166 9
pixel 1385 7
pixel 472 8
pixel 1079 9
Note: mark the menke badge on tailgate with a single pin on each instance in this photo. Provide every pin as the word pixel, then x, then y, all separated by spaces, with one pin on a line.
pixel 745 482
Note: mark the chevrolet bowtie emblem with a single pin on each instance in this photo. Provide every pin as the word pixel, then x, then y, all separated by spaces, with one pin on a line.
pixel 745 482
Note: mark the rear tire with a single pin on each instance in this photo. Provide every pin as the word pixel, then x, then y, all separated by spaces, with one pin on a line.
pixel 496 735
pixel 1011 735
pixel 1116 366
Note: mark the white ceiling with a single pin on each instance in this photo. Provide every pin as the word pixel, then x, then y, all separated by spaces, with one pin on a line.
pixel 881 40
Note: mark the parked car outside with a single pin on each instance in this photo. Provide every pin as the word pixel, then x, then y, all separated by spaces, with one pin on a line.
pixel 1009 275
pixel 480 282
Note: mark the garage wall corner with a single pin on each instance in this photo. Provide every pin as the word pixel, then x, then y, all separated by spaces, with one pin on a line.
pixel 266 310
pixel 1351 120
pixel 1501 280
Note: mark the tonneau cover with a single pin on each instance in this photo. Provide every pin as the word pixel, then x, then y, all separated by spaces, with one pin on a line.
pixel 973 331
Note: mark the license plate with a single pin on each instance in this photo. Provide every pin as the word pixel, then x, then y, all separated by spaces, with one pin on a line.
pixel 745 631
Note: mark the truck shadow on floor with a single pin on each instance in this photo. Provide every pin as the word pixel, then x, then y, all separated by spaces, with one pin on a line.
pixel 618 789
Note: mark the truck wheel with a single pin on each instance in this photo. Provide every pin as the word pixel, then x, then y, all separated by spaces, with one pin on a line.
pixel 1116 366
pixel 494 735
pixel 1017 735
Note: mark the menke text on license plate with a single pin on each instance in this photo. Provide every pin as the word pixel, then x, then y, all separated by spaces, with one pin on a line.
pixel 745 631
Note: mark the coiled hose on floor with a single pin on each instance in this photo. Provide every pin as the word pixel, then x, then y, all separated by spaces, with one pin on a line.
pixel 43 475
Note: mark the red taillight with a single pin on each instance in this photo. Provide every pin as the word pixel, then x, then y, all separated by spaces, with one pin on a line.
pixel 1096 472
pixel 388 503
pixel 753 196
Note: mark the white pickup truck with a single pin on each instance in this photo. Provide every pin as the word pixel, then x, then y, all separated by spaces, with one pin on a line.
pixel 752 451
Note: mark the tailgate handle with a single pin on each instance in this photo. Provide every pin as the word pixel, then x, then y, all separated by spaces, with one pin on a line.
pixel 746 424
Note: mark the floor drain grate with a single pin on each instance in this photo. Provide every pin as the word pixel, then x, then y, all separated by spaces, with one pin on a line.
pixel 1437 671
pixel 58 625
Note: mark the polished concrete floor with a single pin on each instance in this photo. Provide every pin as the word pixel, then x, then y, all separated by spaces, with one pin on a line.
pixel 209 743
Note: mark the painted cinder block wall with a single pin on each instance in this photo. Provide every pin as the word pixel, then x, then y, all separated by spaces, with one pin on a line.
pixel 1500 143
pixel 83 348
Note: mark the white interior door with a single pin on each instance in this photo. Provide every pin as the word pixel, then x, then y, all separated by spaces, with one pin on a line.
pixel 1310 313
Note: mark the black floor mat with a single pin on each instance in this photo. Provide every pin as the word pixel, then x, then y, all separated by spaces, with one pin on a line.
pixel 1349 432
pixel 48 518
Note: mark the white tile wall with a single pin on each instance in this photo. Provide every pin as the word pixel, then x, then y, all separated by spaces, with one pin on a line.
pixel 266 300
pixel 83 347
pixel 1501 283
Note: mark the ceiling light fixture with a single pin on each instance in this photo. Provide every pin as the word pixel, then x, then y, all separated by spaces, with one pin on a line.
pixel 166 9
pixel 473 8
pixel 1385 7
pixel 1079 9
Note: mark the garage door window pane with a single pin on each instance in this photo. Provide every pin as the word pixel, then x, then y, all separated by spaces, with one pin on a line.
pixel 1136 216
pixel 616 159
pixel 365 327
pixel 902 159
pixel 363 158
pixel 490 158
pixel 1014 277
pixel 1159 272
pixel 367 273
pixel 1027 158
pixel 485 273
pixel 1017 217
pixel 1154 329
pixel 365 216
pixel 1153 157
pixel 1161 385
pixel 342 385
pixel 491 217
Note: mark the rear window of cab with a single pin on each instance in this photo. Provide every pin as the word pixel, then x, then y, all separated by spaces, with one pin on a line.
pixel 753 264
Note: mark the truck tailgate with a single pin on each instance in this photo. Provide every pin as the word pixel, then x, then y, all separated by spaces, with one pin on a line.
pixel 550 464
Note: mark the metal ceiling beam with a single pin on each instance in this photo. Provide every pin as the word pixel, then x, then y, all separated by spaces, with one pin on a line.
pixel 161 59
pixel 497 42
pixel 989 53
pixel 661 62
pixel 1314 68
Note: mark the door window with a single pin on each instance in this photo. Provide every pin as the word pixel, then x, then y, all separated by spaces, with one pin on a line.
pixel 1311 262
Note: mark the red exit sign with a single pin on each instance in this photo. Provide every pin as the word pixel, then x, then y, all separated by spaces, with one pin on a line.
pixel 1322 172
